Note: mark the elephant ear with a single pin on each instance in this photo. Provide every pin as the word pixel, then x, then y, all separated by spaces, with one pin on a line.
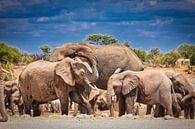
pixel 64 70
pixel 129 84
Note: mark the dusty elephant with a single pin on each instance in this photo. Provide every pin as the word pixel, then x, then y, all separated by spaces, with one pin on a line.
pixel 183 86
pixel 44 81
pixel 177 107
pixel 3 112
pixel 147 87
pixel 103 59
pixel 13 96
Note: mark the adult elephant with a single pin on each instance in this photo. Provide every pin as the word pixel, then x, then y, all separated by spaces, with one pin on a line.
pixel 147 87
pixel 185 96
pixel 3 113
pixel 103 59
pixel 183 86
pixel 44 81
pixel 13 96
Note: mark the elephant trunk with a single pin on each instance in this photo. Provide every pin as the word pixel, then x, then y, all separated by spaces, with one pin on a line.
pixel 93 77
pixel 110 98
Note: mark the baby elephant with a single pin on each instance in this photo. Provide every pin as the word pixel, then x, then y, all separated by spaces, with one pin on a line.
pixel 147 87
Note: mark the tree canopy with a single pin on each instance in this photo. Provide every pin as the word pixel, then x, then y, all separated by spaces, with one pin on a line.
pixel 9 54
pixel 187 51
pixel 45 49
pixel 101 39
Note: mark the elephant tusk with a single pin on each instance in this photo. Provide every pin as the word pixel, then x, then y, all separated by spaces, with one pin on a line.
pixel 93 86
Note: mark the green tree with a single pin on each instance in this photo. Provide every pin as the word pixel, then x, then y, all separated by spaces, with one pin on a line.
pixel 141 54
pixel 101 39
pixel 9 54
pixel 171 57
pixel 45 49
pixel 127 44
pixel 187 51
pixel 154 52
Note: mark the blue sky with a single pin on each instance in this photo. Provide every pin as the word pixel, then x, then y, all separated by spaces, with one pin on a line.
pixel 145 23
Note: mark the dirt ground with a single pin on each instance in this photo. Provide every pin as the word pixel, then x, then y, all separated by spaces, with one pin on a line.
pixel 57 121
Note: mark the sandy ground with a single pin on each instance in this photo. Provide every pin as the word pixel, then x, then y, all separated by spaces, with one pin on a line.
pixel 90 122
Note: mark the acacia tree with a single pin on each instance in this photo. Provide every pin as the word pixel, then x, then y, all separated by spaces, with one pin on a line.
pixel 101 39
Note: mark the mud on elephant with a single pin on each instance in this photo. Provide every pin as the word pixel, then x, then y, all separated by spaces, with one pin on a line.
pixel 4 116
pixel 44 81
pixel 147 87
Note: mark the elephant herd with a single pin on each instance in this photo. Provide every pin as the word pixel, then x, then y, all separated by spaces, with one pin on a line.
pixel 74 70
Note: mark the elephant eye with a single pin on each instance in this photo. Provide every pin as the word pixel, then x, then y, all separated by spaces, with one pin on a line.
pixel 82 72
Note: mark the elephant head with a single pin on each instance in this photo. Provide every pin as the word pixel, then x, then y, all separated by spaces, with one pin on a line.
pixel 81 51
pixel 74 71
pixel 181 84
pixel 121 83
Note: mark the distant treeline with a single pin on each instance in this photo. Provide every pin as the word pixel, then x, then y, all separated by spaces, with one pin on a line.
pixel 11 55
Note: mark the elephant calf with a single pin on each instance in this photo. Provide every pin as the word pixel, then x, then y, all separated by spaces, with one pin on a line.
pixel 147 87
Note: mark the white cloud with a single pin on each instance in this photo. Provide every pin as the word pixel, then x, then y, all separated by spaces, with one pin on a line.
pixel 152 2
pixel 63 16
pixel 161 22
pixel 43 19
pixel 146 33
pixel 193 1
pixel 75 26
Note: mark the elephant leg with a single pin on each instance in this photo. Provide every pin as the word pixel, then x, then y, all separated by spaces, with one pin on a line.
pixel 160 111
pixel 21 109
pixel 64 101
pixel 148 109
pixel 191 111
pixel 12 107
pixel 27 109
pixel 36 110
pixel 166 102
pixel 121 105
pixel 129 104
pixel 2 106
pixel 62 94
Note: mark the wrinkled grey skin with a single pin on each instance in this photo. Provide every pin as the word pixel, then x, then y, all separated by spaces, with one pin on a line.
pixel 182 85
pixel 104 60
pixel 13 96
pixel 44 81
pixel 177 107
pixel 147 87
pixel 3 113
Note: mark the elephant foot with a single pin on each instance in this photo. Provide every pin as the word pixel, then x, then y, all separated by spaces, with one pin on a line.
pixel 168 117
pixel 4 119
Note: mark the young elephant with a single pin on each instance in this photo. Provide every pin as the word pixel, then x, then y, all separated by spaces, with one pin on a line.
pixel 44 81
pixel 13 96
pixel 147 87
